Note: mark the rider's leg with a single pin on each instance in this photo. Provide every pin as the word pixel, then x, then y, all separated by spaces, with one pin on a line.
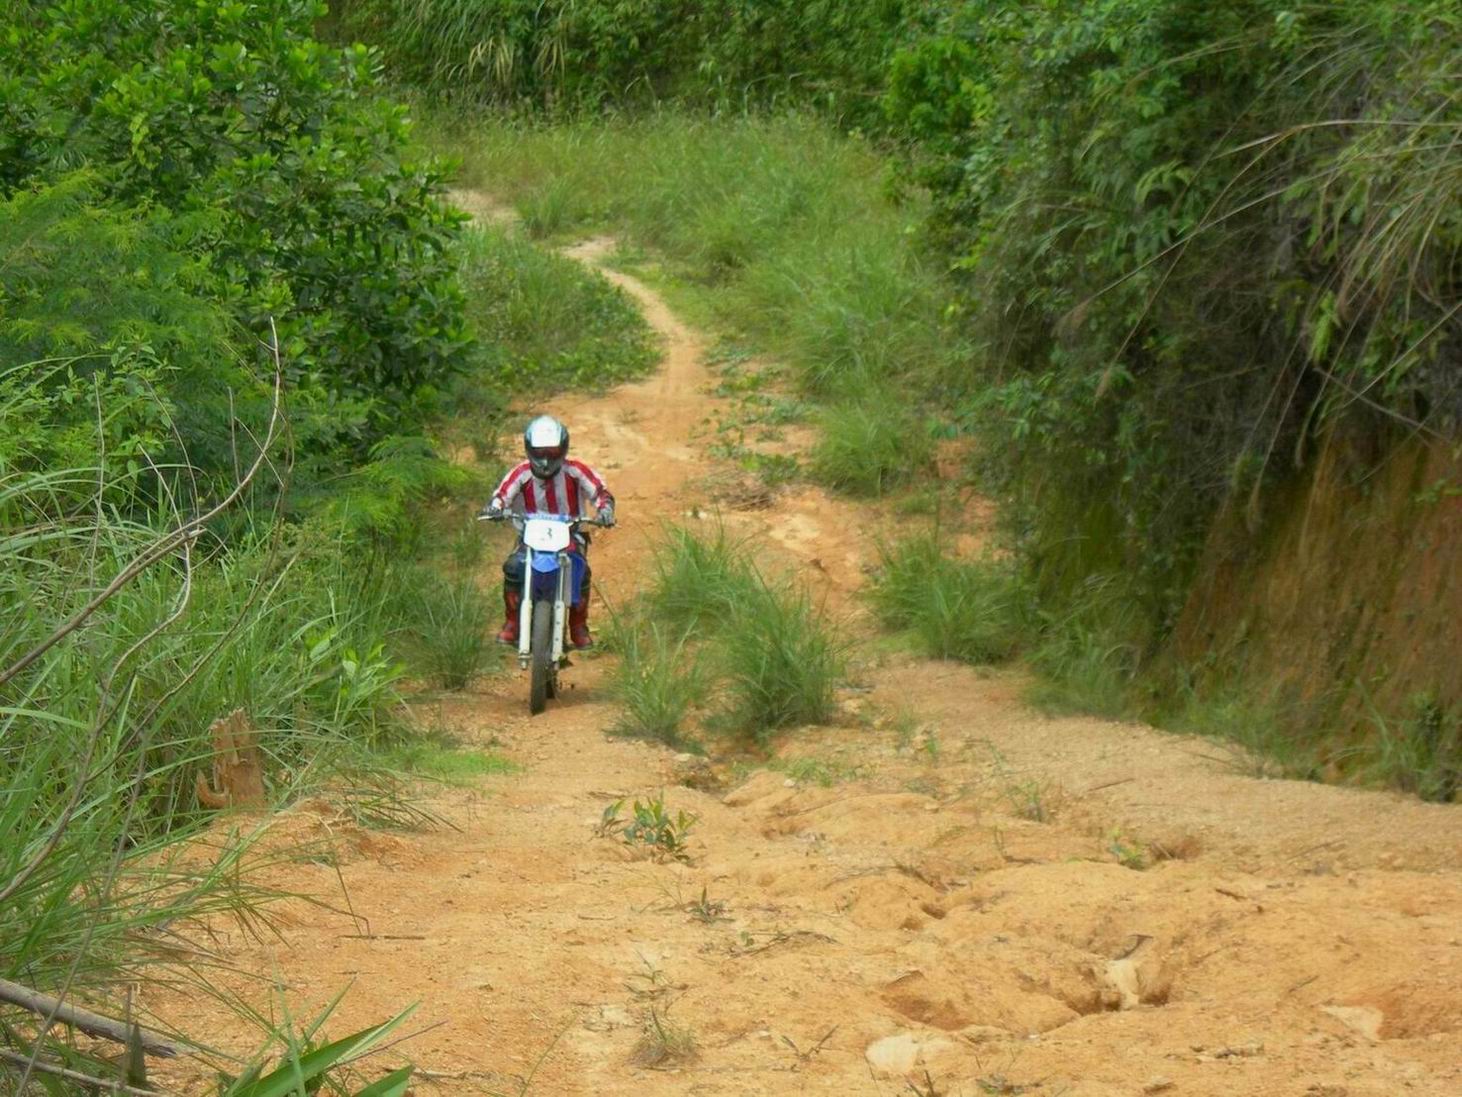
pixel 579 634
pixel 512 596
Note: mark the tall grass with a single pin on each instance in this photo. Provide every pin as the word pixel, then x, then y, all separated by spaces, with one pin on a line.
pixel 712 627
pixel 786 227
pixel 661 676
pixel 782 664
pixel 871 445
pixel 545 322
pixel 108 688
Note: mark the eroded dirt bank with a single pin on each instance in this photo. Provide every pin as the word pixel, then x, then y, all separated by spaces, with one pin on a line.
pixel 983 900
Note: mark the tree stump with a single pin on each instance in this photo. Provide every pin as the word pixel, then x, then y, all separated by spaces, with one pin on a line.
pixel 238 765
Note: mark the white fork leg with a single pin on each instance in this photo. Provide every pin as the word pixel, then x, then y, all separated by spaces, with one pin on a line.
pixel 525 611
pixel 560 605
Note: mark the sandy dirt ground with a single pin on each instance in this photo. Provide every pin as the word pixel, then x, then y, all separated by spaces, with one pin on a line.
pixel 979 900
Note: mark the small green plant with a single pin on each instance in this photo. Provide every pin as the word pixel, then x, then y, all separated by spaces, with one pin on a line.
pixel 1127 854
pixel 816 771
pixel 650 826
pixel 1029 800
pixel 309 1065
pixel 707 910
pixel 663 1044
pixel 906 725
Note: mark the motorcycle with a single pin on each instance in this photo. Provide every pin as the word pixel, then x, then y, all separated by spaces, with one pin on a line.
pixel 552 579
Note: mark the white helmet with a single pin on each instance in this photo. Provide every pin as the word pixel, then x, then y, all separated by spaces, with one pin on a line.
pixel 546 442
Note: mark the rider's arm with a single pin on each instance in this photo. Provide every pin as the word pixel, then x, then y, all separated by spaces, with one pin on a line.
pixel 591 483
pixel 512 485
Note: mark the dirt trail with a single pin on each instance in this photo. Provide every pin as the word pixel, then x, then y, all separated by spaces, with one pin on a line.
pixel 986 901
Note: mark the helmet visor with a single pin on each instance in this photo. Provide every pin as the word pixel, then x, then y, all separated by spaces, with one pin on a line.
pixel 547 453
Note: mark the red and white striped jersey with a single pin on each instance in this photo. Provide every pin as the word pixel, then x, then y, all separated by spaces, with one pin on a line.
pixel 565 492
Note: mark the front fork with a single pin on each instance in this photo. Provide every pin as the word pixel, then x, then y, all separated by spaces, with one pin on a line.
pixel 560 608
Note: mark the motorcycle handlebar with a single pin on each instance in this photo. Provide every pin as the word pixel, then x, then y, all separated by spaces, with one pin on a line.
pixel 505 516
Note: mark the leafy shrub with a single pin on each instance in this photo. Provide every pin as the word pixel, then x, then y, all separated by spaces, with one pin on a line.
pixel 265 177
pixel 975 611
pixel 1179 231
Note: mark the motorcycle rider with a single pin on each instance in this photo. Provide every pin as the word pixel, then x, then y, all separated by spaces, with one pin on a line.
pixel 548 482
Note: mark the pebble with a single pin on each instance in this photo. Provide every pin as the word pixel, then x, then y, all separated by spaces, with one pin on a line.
pixel 1158 1085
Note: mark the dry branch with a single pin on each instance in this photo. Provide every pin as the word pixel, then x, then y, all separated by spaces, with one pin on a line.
pixel 8 1057
pixel 93 1024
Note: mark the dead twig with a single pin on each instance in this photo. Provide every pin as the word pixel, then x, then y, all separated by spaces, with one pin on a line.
pixel 15 1060
pixel 93 1024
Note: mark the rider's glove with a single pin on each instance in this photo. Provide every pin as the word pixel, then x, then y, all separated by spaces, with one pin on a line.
pixel 606 515
pixel 493 511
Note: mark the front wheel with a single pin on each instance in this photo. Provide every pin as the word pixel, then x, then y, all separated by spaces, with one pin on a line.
pixel 541 684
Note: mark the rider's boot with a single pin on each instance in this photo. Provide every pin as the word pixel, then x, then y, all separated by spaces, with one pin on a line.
pixel 579 622
pixel 512 603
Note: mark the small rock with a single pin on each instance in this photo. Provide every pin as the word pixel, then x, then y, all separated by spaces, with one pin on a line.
pixel 789 783
pixel 1158 1085
pixel 1240 1051
pixel 893 1054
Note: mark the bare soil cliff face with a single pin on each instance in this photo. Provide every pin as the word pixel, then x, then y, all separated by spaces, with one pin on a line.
pixel 1349 601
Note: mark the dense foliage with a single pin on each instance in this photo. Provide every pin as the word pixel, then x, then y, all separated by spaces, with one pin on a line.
pixel 1186 235
pixel 574 54
pixel 179 174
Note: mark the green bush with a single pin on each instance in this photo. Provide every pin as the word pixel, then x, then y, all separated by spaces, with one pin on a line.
pixel 976 611
pixel 1186 236
pixel 232 160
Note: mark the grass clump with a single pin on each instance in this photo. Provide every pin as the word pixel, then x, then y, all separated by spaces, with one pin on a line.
pixel 870 446
pixel 974 611
pixel 447 624
pixel 1421 754
pixel 781 664
pixel 713 628
pixel 660 678
pixel 700 582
